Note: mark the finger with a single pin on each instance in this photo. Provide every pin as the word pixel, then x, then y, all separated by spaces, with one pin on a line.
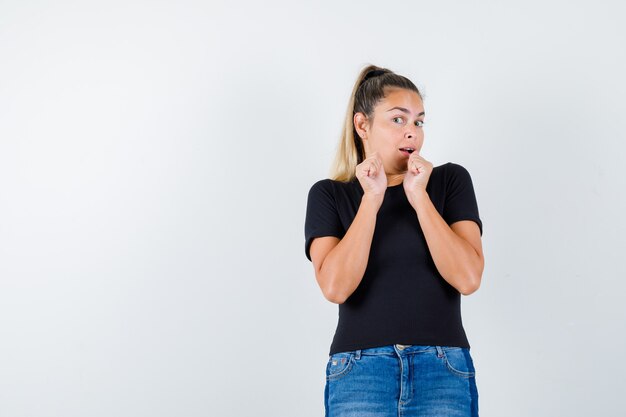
pixel 379 162
pixel 378 166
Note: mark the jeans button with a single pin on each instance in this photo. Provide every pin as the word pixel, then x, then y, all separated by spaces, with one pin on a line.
pixel 401 347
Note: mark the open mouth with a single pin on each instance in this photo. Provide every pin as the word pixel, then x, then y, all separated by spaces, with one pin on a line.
pixel 407 151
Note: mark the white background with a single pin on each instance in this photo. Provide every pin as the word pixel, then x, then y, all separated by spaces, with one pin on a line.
pixel 155 158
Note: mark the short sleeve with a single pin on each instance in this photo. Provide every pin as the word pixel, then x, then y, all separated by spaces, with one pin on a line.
pixel 322 216
pixel 460 201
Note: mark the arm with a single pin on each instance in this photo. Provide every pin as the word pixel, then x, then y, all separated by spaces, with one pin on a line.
pixel 340 264
pixel 456 251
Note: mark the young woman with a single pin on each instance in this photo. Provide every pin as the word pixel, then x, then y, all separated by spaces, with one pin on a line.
pixel 394 242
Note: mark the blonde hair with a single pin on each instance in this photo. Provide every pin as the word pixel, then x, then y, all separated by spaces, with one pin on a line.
pixel 368 90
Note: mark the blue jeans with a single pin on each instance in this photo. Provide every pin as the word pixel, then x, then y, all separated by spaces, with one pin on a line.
pixel 401 380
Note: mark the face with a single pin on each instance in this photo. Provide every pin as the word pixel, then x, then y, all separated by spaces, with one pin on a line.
pixel 397 123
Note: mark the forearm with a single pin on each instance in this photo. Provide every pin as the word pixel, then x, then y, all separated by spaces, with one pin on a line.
pixel 345 264
pixel 455 259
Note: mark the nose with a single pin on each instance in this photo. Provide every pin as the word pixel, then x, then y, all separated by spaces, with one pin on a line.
pixel 411 133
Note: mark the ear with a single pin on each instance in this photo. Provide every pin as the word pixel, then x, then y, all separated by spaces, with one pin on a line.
pixel 361 124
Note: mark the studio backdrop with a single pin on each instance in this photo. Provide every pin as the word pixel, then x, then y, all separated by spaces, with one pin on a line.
pixel 155 160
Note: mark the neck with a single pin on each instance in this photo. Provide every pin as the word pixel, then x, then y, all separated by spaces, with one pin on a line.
pixel 394 179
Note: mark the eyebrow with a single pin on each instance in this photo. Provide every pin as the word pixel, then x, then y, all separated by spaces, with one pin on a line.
pixel 402 109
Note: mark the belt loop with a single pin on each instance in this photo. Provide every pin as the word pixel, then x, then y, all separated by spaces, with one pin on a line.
pixel 357 354
pixel 439 352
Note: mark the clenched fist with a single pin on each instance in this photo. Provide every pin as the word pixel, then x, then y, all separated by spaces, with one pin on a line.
pixel 371 174
pixel 417 176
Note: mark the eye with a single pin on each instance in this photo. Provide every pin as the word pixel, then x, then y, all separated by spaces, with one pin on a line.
pixel 418 123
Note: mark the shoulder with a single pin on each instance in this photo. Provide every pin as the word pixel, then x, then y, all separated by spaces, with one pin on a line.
pixel 323 184
pixel 323 187
pixel 444 173
pixel 454 171
pixel 454 167
pixel 330 186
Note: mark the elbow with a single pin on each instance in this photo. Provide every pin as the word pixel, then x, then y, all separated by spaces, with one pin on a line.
pixel 469 291
pixel 336 300
pixel 332 293
pixel 471 287
pixel 472 283
pixel 334 296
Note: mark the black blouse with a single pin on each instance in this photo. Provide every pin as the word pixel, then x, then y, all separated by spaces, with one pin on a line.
pixel 402 298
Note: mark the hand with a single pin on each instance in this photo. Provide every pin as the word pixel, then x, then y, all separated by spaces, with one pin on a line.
pixel 417 176
pixel 371 174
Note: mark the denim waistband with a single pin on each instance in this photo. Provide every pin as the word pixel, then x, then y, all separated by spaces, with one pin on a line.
pixel 392 349
pixel 397 349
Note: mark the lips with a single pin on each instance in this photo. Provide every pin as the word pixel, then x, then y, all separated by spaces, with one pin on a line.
pixel 407 150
